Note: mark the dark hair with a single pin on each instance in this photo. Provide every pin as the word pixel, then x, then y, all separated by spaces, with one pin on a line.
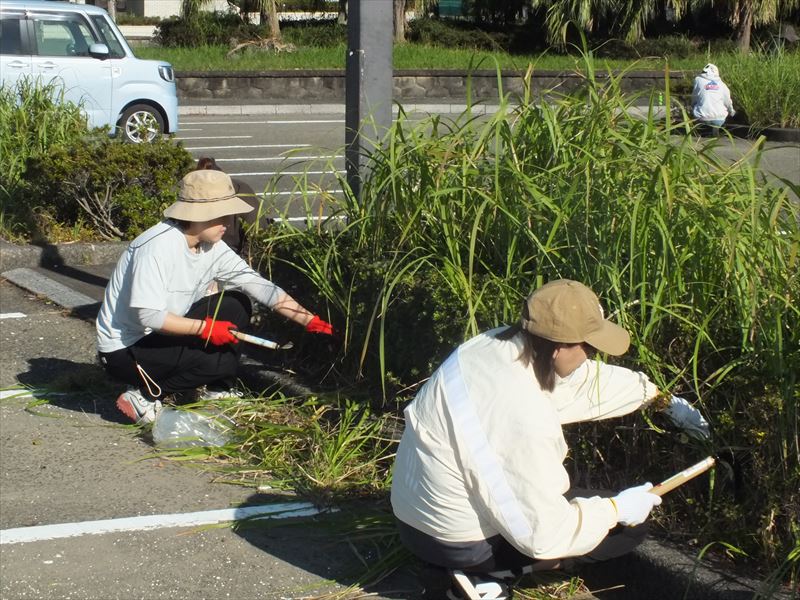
pixel 537 352
pixel 207 163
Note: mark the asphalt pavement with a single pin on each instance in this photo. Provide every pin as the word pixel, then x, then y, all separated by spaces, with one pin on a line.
pixel 69 458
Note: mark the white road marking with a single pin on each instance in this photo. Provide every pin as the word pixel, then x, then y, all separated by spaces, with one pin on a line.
pixel 262 122
pixel 15 393
pixel 285 173
pixel 295 193
pixel 286 157
pixel 14 315
pixel 194 519
pixel 215 137
pixel 254 146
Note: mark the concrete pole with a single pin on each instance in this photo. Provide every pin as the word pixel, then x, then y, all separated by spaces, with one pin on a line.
pixel 368 83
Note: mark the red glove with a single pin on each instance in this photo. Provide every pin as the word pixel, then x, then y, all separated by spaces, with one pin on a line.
pixel 218 332
pixel 317 325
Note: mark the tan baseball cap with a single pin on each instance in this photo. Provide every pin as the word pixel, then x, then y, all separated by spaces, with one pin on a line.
pixel 206 195
pixel 567 311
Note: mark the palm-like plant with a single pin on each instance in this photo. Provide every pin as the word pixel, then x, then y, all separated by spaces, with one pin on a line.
pixel 743 15
pixel 626 18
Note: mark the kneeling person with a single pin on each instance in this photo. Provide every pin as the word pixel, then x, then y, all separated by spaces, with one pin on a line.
pixel 158 329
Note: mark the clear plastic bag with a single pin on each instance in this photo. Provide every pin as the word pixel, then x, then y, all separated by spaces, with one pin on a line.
pixel 184 429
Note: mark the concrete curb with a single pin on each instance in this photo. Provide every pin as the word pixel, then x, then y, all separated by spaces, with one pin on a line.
pixel 13 256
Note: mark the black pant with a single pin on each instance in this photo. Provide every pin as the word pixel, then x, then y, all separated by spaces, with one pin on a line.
pixel 497 554
pixel 183 362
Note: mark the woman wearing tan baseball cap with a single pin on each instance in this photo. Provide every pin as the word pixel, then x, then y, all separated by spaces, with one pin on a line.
pixel 159 329
pixel 479 483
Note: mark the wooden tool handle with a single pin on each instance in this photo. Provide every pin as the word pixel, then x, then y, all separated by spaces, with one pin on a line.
pixel 682 477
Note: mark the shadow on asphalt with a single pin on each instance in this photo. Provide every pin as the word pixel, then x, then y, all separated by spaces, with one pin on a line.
pixel 81 387
pixel 345 548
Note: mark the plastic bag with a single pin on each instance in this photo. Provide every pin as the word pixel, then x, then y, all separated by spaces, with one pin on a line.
pixel 184 429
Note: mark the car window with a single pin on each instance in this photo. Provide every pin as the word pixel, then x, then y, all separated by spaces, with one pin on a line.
pixel 109 36
pixel 62 37
pixel 10 38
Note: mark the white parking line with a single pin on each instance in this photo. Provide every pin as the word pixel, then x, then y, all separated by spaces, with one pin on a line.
pixel 263 122
pixel 294 193
pixel 253 146
pixel 194 519
pixel 215 137
pixel 287 157
pixel 14 315
pixel 285 173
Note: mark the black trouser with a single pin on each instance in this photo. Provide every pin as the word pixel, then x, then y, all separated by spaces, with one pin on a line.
pixel 183 362
pixel 497 554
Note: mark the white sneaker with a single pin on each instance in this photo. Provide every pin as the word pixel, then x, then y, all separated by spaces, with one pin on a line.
pixel 137 408
pixel 471 587
pixel 205 394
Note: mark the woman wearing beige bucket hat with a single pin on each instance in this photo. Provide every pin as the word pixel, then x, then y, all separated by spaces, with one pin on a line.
pixel 158 330
pixel 479 485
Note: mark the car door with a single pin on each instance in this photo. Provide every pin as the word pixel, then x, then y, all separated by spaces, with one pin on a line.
pixel 15 57
pixel 61 57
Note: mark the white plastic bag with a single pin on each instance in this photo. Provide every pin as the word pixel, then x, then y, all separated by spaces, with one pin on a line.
pixel 185 428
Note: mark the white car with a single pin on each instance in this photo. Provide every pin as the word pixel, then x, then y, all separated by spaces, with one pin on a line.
pixel 79 47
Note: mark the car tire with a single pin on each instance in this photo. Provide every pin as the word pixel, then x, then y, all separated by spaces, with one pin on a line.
pixel 141 123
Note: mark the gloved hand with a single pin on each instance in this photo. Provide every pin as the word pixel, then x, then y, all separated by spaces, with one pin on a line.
pixel 688 418
pixel 732 113
pixel 317 325
pixel 218 332
pixel 634 504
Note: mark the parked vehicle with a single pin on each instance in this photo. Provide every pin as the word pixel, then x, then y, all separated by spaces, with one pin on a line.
pixel 79 46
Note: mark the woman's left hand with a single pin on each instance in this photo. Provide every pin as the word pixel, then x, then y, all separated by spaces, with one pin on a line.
pixel 317 325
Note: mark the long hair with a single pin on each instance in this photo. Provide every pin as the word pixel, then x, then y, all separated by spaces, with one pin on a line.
pixel 536 352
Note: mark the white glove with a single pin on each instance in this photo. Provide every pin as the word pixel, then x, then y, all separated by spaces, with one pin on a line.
pixel 688 418
pixel 732 113
pixel 634 504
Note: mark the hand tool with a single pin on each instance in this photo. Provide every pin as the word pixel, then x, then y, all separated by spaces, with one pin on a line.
pixel 682 477
pixel 251 339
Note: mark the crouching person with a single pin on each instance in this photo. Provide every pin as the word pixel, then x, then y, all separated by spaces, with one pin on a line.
pixel 159 330
pixel 479 485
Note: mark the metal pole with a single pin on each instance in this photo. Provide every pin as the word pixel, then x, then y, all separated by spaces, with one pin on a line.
pixel 368 83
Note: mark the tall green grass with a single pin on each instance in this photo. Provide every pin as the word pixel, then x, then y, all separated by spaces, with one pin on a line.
pixel 33 117
pixel 696 257
pixel 765 85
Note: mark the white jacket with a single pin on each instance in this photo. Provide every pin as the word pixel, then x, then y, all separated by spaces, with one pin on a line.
pixel 711 98
pixel 482 453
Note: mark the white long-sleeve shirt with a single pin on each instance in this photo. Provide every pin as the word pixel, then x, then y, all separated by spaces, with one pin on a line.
pixel 159 273
pixel 482 453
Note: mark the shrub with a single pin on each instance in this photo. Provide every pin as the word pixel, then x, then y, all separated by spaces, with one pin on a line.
pixel 33 117
pixel 121 189
pixel 316 34
pixel 129 19
pixel 205 29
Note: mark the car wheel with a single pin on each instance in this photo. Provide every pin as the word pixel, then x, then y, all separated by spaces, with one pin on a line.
pixel 141 124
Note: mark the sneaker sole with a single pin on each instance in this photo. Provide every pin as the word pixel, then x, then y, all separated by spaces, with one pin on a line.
pixel 127 408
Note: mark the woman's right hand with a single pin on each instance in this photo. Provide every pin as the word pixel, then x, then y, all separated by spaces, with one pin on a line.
pixel 218 332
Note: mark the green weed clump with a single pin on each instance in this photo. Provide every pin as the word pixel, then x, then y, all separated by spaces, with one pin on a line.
pixel 695 256
pixel 765 85
pixel 33 118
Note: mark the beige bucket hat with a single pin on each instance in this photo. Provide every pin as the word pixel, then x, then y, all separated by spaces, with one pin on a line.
pixel 569 312
pixel 204 196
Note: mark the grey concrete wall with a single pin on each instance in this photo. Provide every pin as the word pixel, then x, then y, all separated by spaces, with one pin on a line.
pixel 328 85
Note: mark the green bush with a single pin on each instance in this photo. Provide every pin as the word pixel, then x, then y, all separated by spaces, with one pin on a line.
pixel 315 34
pixel 120 189
pixel 205 29
pixel 129 19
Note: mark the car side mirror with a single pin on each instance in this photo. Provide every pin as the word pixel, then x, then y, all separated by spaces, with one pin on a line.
pixel 99 51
